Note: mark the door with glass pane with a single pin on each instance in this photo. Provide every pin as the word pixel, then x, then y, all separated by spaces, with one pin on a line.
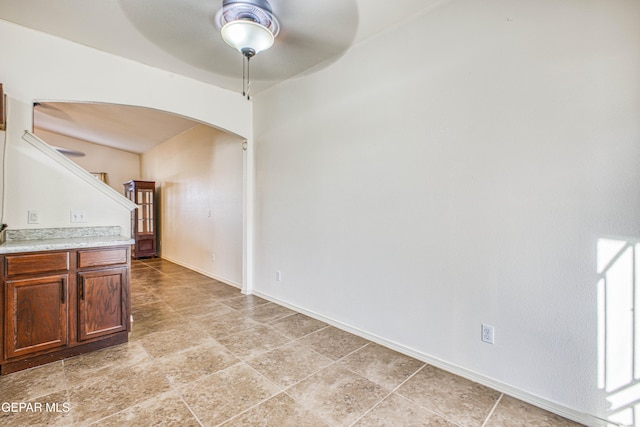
pixel 143 225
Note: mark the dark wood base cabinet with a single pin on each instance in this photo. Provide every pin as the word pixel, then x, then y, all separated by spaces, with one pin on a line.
pixel 58 304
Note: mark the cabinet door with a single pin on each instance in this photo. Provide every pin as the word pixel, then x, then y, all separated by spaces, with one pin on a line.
pixel 102 302
pixel 36 314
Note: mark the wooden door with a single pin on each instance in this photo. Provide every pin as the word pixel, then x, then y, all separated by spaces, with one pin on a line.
pixel 101 302
pixel 36 315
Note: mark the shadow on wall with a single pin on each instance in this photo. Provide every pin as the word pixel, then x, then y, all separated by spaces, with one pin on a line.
pixel 618 263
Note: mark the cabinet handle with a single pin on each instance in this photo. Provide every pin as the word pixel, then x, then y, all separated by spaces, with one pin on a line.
pixel 63 291
pixel 82 287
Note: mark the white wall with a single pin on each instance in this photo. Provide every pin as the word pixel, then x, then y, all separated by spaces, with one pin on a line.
pixel 78 73
pixel 120 166
pixel 37 182
pixel 199 179
pixel 459 169
pixel 38 66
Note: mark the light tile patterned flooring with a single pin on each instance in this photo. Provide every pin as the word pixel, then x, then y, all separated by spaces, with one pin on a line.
pixel 203 354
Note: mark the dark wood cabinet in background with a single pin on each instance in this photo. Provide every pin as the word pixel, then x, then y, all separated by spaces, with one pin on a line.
pixel 57 304
pixel 143 219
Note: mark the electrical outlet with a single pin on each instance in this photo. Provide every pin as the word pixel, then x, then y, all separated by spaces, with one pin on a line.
pixel 487 333
pixel 78 216
pixel 213 257
pixel 278 276
pixel 33 217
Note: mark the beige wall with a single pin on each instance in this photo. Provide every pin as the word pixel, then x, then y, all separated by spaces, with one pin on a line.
pixel 199 177
pixel 120 166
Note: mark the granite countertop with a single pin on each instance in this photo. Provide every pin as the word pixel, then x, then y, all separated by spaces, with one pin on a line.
pixel 34 240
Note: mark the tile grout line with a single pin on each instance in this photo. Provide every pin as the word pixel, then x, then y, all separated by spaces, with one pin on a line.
pixel 331 362
pixel 67 390
pixel 175 387
pixel 439 414
pixel 394 390
pixel 150 362
pixel 280 391
pixel 284 389
pixel 495 406
pixel 172 386
pixel 386 396
pixel 306 407
pixel 188 407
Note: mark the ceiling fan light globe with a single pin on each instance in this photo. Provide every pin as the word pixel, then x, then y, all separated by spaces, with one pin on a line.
pixel 243 34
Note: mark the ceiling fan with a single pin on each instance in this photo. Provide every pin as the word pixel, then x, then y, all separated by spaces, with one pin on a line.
pixel 307 35
pixel 250 27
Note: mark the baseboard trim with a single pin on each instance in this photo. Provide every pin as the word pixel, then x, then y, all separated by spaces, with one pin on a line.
pixel 203 272
pixel 507 389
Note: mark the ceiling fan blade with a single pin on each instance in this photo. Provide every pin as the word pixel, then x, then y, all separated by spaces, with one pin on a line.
pixel 311 33
pixel 69 152
pixel 50 110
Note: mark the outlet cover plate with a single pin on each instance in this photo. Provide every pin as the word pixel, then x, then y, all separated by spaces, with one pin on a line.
pixel 33 217
pixel 488 334
pixel 78 216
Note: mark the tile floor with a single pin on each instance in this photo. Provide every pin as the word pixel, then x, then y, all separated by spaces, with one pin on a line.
pixel 203 354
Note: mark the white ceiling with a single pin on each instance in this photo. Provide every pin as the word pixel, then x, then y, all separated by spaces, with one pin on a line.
pixel 180 36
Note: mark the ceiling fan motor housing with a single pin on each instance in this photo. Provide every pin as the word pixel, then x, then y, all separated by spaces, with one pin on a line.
pixel 262 4
pixel 258 11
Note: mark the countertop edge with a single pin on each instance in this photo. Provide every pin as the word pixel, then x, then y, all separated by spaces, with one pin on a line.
pixel 16 246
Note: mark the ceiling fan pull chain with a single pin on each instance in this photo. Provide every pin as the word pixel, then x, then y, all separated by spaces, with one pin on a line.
pixel 246 81
pixel 248 78
pixel 244 77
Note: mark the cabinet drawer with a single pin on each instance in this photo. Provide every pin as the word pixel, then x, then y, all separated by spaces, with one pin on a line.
pixel 102 257
pixel 36 263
